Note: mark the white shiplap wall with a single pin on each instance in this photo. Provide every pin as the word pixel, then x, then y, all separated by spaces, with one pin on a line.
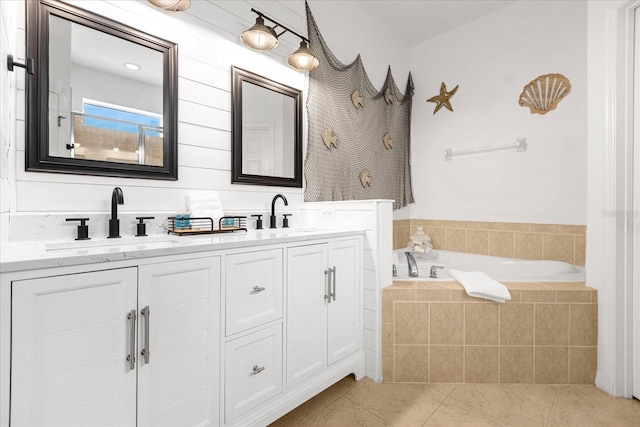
pixel 9 16
pixel 208 44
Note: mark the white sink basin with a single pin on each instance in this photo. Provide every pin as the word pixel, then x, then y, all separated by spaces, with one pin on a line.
pixel 127 242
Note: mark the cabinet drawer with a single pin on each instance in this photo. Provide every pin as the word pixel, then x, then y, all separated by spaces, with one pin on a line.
pixel 253 372
pixel 253 290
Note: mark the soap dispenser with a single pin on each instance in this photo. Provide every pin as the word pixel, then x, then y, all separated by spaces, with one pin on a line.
pixel 419 244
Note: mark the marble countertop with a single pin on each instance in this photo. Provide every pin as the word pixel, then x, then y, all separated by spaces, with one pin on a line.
pixel 37 255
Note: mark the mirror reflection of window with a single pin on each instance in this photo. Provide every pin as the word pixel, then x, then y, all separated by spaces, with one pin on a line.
pixel 124 78
pixel 268 132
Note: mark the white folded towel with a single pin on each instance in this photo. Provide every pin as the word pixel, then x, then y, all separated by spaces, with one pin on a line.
pixel 205 204
pixel 480 285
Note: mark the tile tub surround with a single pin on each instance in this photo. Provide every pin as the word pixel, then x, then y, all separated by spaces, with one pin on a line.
pixel 434 332
pixel 554 242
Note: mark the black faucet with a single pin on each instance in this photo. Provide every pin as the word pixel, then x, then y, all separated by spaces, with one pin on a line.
pixel 114 223
pixel 272 218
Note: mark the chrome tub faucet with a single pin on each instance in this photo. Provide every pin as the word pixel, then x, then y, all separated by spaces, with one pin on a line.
pixel 413 266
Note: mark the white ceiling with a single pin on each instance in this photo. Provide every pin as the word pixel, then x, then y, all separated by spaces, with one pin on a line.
pixel 419 20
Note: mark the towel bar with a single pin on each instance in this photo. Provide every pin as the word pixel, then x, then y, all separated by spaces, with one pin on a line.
pixel 520 145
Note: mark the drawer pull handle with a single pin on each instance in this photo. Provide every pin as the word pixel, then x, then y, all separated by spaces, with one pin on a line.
pixel 257 369
pixel 257 289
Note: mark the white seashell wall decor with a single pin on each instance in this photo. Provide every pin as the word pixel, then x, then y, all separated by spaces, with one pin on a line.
pixel 329 138
pixel 544 93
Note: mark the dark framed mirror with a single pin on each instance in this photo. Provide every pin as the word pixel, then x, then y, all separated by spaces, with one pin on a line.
pixel 267 131
pixel 103 99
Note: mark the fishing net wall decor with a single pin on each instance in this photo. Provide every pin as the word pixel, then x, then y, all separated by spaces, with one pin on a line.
pixel 359 141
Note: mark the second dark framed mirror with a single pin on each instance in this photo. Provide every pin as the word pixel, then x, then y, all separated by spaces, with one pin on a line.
pixel 103 98
pixel 267 131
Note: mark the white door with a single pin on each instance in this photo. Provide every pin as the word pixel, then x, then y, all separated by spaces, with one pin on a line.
pixel 344 308
pixel 258 149
pixel 178 347
pixel 307 296
pixel 71 337
pixel 636 223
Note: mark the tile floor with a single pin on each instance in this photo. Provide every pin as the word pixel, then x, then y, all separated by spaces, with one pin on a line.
pixel 365 403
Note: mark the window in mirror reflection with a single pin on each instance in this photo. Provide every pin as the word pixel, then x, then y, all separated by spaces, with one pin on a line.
pixel 268 132
pixel 119 119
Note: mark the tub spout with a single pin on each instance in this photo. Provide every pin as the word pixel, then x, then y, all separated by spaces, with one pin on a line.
pixel 413 266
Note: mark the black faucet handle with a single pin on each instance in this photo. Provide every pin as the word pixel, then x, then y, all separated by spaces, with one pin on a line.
pixel 142 227
pixel 285 220
pixel 258 221
pixel 83 228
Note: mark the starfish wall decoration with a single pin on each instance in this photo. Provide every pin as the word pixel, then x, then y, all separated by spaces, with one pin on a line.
pixel 443 98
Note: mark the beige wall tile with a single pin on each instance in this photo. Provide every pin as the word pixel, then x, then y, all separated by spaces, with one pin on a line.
pixel 582 365
pixel 573 229
pixel 387 341
pixel 411 323
pixel 516 296
pixel 468 224
pixel 552 365
pixel 388 375
pixel 481 325
pixel 481 364
pixel 552 324
pixel 516 364
pixel 411 363
pixel 389 296
pixel 558 247
pixel 544 228
pixel 478 242
pixel 458 295
pixel 434 295
pixel 502 243
pixel 489 225
pixel 401 222
pixel 594 297
pixel 448 224
pixel 400 237
pixel 446 323
pixel 539 296
pixel 528 246
pixel 580 250
pixel 457 239
pixel 446 364
pixel 516 324
pixel 573 296
pixel 515 226
pixel 438 237
pixel 584 324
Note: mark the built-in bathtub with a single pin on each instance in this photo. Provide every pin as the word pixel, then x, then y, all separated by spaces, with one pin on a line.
pixel 432 331
pixel 501 269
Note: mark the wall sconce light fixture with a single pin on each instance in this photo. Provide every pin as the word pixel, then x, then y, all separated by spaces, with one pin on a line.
pixel 262 37
pixel 171 5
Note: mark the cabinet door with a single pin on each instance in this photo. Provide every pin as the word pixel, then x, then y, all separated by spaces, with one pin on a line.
pixel 307 285
pixel 178 371
pixel 70 342
pixel 344 309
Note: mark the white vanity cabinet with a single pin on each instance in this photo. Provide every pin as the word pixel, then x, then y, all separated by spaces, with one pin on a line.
pixel 323 307
pixel 234 335
pixel 122 347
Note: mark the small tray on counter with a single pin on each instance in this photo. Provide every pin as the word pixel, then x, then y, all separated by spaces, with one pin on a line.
pixel 201 225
